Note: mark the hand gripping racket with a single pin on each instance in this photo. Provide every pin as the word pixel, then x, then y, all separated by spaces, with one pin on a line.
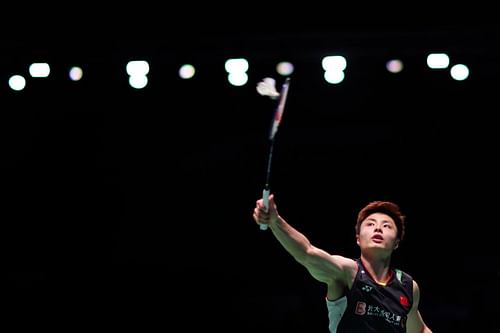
pixel 266 87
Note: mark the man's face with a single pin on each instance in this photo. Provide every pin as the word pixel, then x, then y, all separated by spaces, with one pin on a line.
pixel 378 231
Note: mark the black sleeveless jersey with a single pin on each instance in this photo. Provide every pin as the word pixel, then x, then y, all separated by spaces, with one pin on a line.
pixel 372 307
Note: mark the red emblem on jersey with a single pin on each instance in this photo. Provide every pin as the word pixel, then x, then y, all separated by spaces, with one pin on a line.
pixel 404 301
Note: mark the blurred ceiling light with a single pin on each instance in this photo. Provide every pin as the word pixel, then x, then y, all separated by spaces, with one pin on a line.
pixel 438 60
pixel 186 71
pixel 394 66
pixel 17 82
pixel 39 69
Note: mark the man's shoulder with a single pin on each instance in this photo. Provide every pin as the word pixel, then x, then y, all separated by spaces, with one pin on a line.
pixel 404 278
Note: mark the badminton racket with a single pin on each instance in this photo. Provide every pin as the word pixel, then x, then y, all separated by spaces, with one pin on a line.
pixel 267 87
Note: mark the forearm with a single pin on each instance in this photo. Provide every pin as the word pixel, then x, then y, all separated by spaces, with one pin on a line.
pixel 291 239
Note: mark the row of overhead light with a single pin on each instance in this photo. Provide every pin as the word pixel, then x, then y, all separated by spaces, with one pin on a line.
pixel 237 70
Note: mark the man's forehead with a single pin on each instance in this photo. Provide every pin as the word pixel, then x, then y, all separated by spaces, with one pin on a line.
pixel 379 216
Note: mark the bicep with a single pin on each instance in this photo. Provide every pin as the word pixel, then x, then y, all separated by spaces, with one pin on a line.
pixel 415 323
pixel 325 267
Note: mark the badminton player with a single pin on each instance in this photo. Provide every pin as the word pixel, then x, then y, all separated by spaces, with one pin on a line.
pixel 364 294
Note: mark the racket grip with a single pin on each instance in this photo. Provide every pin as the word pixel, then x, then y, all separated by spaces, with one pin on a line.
pixel 265 198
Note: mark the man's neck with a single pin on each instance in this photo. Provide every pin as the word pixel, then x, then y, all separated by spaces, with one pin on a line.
pixel 378 268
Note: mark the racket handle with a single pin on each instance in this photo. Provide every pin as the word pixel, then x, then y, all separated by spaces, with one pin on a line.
pixel 265 198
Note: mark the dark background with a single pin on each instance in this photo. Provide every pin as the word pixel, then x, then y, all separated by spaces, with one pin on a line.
pixel 129 208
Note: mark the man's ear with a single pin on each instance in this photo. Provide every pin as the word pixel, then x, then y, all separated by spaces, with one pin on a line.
pixel 357 239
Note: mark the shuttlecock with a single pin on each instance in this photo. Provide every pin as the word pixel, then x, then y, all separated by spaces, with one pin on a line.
pixel 267 87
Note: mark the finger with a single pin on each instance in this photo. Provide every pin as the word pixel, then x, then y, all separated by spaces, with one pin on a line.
pixel 259 219
pixel 260 203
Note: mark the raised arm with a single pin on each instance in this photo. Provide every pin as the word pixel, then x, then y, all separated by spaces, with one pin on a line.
pixel 321 265
pixel 415 323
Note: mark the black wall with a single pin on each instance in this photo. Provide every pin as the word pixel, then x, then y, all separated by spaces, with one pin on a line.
pixel 133 208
